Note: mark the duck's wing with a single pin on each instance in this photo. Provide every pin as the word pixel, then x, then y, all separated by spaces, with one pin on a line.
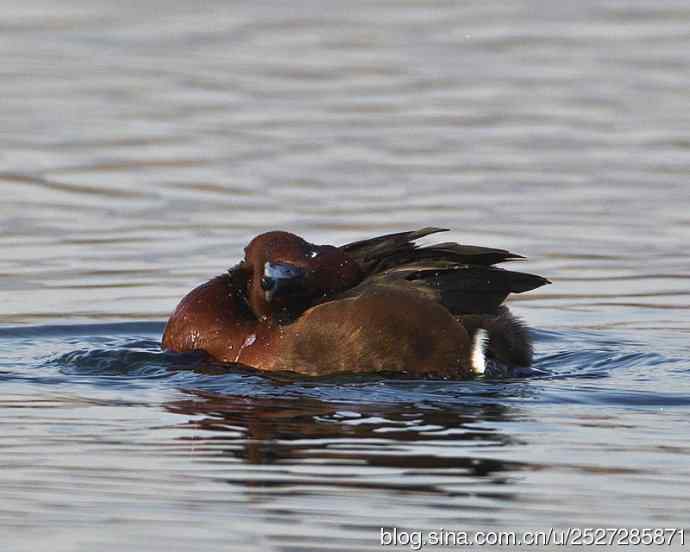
pixel 458 276
pixel 393 250
pixel 461 288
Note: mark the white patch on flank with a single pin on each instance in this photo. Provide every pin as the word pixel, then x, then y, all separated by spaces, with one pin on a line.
pixel 478 358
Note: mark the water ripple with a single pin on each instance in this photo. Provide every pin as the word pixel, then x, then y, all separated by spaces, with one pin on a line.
pixel 143 144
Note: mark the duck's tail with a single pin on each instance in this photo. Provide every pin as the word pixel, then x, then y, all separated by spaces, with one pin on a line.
pixel 500 338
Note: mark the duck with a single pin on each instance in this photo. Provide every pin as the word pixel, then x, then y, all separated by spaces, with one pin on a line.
pixel 383 305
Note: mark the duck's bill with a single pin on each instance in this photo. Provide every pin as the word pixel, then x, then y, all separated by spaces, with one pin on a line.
pixel 280 278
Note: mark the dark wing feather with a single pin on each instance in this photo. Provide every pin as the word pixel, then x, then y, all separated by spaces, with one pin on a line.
pixel 465 254
pixel 370 254
pixel 462 289
pixel 385 252
pixel 468 289
pixel 458 276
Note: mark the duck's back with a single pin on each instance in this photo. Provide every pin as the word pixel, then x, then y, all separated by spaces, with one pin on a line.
pixel 459 277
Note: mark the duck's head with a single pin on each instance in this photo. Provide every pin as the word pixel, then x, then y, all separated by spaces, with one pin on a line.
pixel 286 274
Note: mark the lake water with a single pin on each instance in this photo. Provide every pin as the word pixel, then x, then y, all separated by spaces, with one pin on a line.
pixel 143 144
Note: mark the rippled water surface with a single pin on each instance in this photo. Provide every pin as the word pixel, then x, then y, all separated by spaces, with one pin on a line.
pixel 143 144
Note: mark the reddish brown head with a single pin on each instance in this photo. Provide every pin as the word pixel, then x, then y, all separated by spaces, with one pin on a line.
pixel 287 275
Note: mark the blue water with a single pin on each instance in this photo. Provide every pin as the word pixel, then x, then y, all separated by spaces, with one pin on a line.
pixel 144 144
pixel 102 429
pixel 574 367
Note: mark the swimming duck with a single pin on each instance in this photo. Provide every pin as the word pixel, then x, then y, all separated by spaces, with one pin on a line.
pixel 380 305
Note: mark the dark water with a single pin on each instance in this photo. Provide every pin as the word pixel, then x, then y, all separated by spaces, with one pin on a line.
pixel 143 144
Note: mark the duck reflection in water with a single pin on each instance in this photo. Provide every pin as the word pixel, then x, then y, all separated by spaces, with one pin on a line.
pixel 397 437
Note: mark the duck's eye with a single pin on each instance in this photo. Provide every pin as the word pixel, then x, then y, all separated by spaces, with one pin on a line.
pixel 313 254
pixel 268 284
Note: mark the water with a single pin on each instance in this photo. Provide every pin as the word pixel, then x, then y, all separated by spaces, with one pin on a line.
pixel 142 146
